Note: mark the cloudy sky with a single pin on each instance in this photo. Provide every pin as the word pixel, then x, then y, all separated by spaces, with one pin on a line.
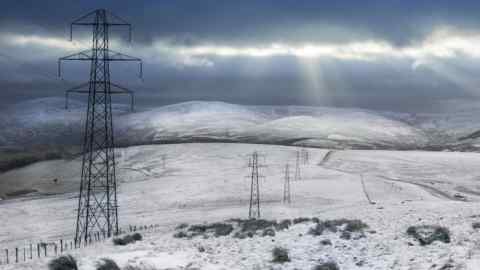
pixel 401 55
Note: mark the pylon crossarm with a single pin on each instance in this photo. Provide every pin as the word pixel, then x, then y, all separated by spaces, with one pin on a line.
pixel 110 20
pixel 114 90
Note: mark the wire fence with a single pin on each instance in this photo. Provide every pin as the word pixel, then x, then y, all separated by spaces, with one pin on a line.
pixel 60 246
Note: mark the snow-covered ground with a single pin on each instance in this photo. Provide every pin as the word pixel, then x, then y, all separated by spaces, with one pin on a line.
pixel 388 190
pixel 45 122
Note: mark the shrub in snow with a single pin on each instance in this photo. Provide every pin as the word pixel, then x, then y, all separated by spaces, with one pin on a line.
pixel 326 242
pixel 127 239
pixel 427 234
pixel 327 266
pixel 135 267
pixel 347 226
pixel 66 262
pixel 476 225
pixel 180 234
pixel 355 225
pixel 280 255
pixel 217 229
pixel 181 226
pixel 317 229
pixel 107 264
pixel 283 225
pixel 253 225
pixel 301 220
pixel 346 235
pixel 137 237
pixel 268 232
pixel 221 229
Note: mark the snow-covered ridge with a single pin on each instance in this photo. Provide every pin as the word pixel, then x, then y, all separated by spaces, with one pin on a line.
pixel 45 121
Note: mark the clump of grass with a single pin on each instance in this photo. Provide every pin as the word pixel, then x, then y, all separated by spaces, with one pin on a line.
pixel 107 264
pixel 280 255
pixel 65 262
pixel 327 266
pixel 476 225
pixel 427 234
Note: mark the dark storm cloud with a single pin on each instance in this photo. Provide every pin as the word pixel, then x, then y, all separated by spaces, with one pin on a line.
pixel 390 83
pixel 254 21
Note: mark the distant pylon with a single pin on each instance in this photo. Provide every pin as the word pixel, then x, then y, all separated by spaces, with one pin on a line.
pixel 164 161
pixel 297 166
pixel 97 210
pixel 305 155
pixel 286 185
pixel 254 208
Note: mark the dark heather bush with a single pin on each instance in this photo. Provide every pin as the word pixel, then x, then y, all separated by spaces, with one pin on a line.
pixel 327 266
pixel 283 225
pixel 127 239
pixel 253 225
pixel 268 232
pixel 326 242
pixel 137 237
pixel 180 234
pixel 134 267
pixel 355 225
pixel 65 262
pixel 476 225
pixel 181 226
pixel 317 229
pixel 198 228
pixel 427 234
pixel 107 264
pixel 280 255
pixel 301 220
pixel 222 229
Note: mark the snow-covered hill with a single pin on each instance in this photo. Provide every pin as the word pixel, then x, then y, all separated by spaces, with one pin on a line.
pixel 44 121
pixel 388 190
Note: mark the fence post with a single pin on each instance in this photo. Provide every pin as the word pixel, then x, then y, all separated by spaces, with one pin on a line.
pixel 6 253
pixel 16 255
pixel 55 248
pixel 24 254
pixel 45 249
pixel 61 245
pixel 38 250
pixel 31 251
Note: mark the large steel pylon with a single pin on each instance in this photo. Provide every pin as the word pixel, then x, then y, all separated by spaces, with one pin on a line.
pixel 97 210
pixel 254 207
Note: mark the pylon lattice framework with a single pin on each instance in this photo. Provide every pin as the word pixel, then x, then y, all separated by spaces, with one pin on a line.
pixel 97 203
pixel 286 186
pixel 254 208
pixel 297 166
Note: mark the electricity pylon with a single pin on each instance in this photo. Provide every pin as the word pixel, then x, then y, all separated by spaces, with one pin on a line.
pixel 305 155
pixel 297 167
pixel 286 185
pixel 254 209
pixel 97 210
